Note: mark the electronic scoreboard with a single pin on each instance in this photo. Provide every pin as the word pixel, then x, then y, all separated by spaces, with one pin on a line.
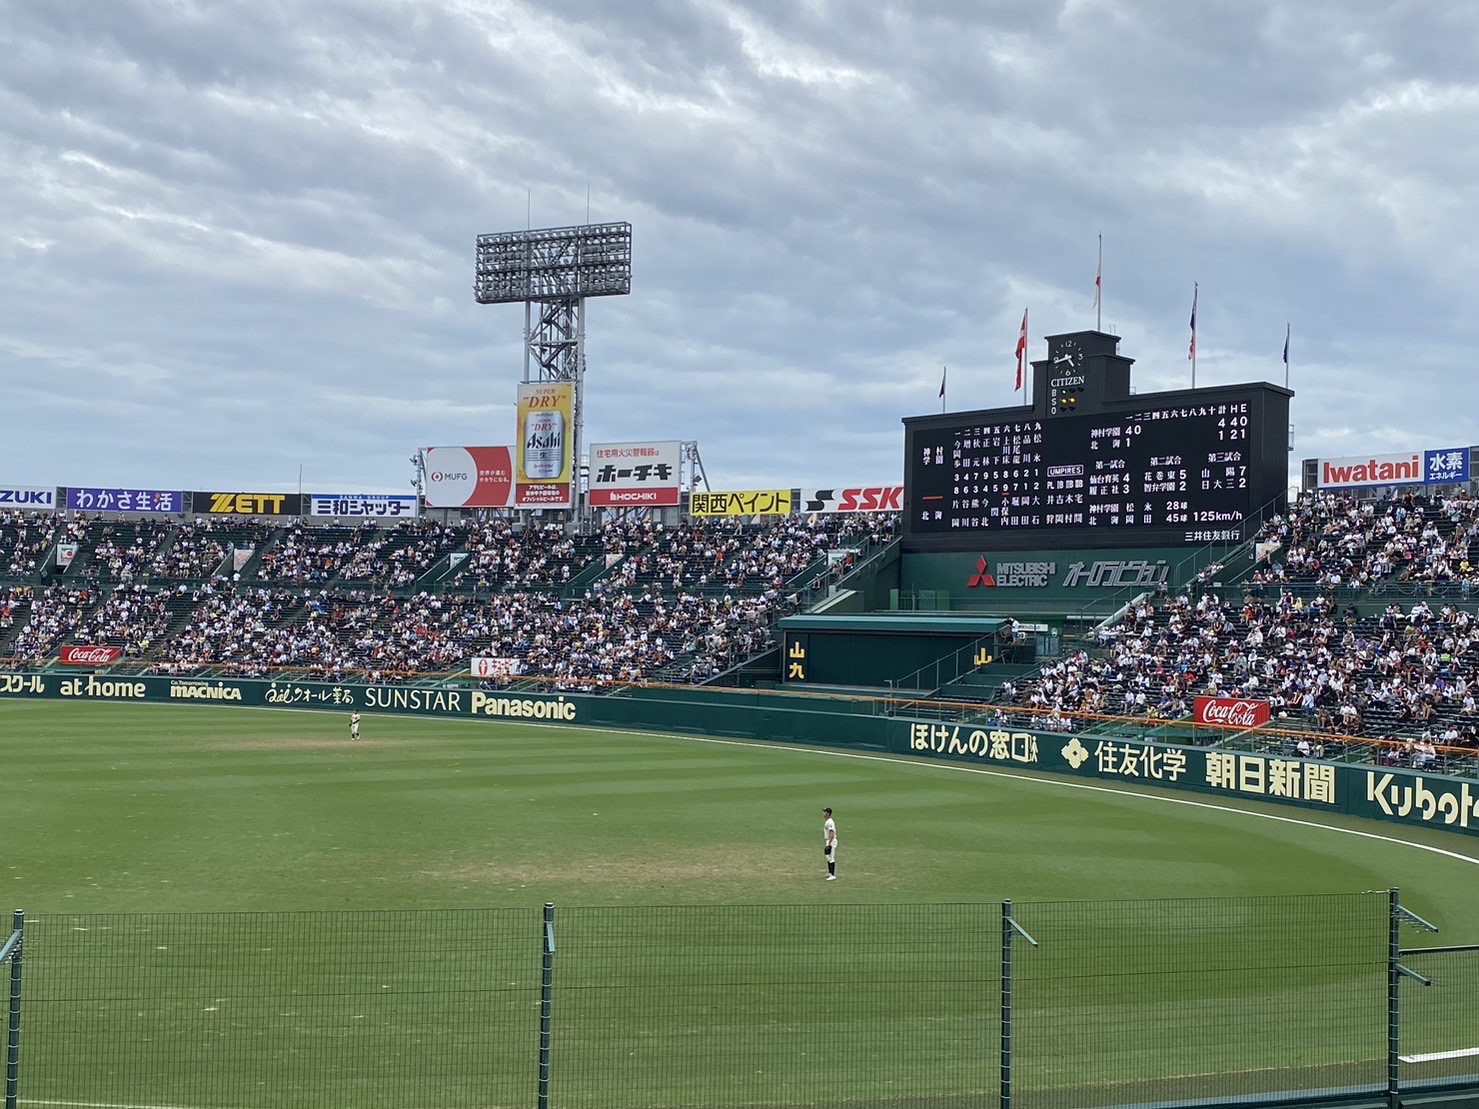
pixel 1090 465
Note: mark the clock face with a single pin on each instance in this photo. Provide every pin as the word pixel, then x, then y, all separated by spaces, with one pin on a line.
pixel 1067 355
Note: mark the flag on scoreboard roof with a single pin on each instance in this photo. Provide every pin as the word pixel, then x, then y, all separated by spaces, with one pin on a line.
pixel 1286 346
pixel 943 370
pixel 1022 352
pixel 1099 285
pixel 1191 351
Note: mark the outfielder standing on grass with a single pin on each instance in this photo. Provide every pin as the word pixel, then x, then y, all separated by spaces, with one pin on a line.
pixel 354 725
pixel 829 833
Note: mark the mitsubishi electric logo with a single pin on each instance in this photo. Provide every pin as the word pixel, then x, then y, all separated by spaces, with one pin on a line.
pixel 1017 575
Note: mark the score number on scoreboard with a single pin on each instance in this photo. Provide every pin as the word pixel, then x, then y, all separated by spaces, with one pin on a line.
pixel 1183 467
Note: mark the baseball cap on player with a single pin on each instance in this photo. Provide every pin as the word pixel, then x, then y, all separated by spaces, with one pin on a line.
pixel 827 811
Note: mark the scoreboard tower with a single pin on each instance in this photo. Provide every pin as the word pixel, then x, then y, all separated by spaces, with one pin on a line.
pixel 1090 465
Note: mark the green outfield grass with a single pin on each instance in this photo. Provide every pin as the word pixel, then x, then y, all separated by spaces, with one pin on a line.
pixel 758 983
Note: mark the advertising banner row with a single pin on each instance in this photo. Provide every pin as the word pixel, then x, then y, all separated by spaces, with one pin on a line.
pixel 1402 796
pixel 783 502
pixel 623 475
pixel 209 502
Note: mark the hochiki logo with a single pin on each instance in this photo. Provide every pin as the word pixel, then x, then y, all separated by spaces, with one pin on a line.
pixel 980 577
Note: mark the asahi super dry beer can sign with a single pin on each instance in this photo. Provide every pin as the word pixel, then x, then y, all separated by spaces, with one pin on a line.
pixel 544 445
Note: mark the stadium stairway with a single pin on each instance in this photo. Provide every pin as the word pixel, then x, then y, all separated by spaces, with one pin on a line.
pixel 82 561
pixel 20 614
pixel 587 575
pixel 165 545
pixel 984 684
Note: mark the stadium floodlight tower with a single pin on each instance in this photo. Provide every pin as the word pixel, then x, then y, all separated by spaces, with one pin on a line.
pixel 552 271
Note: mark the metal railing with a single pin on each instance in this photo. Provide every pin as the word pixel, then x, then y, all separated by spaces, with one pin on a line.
pixel 1175 1002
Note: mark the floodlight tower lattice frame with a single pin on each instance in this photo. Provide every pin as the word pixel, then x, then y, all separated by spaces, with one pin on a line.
pixel 552 271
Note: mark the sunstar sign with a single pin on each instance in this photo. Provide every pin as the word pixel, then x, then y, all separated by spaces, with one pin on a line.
pixel 1448 466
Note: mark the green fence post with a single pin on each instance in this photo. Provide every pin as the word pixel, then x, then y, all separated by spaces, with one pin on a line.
pixel 1006 1004
pixel 13 949
pixel 1396 971
pixel 1394 998
pixel 1008 926
pixel 546 1003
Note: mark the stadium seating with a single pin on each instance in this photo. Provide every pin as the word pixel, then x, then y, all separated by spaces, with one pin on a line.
pixel 1343 628
pixel 635 602
pixel 1357 623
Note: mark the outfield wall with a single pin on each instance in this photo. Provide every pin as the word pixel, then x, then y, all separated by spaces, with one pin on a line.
pixel 1397 795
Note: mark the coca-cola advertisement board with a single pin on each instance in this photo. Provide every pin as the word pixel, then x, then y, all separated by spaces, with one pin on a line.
pixel 1231 712
pixel 91 656
pixel 486 667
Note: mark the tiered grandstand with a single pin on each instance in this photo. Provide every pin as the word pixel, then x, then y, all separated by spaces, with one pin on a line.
pixel 1356 623
pixel 416 600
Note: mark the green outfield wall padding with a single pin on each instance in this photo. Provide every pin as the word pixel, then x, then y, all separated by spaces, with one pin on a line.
pixel 1393 794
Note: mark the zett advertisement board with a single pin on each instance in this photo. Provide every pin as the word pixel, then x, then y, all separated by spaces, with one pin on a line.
pixel 246 504
pixel 635 475
pixel 468 477
pixel 546 439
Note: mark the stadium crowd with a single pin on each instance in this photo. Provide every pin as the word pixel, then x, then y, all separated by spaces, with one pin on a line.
pixel 1309 629
pixel 681 603
pixel 1297 637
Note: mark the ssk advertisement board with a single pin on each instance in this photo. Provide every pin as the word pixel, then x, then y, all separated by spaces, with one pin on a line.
pixel 856 498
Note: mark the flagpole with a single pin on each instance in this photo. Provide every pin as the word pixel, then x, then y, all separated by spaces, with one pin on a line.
pixel 1192 351
pixel 1099 289
pixel 1286 355
pixel 944 373
pixel 1021 354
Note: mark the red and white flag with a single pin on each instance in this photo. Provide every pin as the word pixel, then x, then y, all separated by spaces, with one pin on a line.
pixel 1022 353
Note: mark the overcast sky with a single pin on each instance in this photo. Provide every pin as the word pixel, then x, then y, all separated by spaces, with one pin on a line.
pixel 237 238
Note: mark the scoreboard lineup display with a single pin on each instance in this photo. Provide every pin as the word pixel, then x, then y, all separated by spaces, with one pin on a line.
pixel 1186 465
pixel 1109 469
